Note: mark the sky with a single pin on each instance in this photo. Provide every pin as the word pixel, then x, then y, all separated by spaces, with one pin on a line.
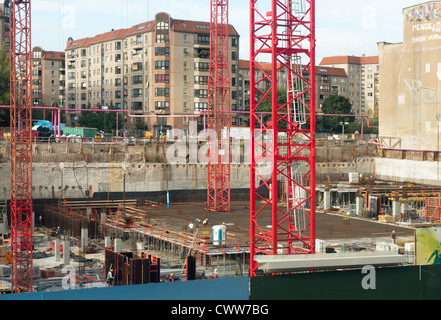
pixel 344 27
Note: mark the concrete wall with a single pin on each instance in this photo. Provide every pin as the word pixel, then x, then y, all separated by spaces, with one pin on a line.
pixel 71 180
pixel 423 172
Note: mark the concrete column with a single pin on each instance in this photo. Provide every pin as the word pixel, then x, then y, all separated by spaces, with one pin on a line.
pixel 327 200
pixel 404 206
pixel 103 217
pixel 57 250
pixel 84 238
pixel 117 245
pixel 359 206
pixel 107 242
pixel 396 210
pixel 66 252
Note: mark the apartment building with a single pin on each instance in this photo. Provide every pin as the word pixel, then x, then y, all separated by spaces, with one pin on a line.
pixel 4 24
pixel 363 81
pixel 48 78
pixel 153 69
pixel 329 81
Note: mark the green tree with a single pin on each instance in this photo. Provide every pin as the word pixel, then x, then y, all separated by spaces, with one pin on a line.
pixel 266 106
pixel 101 120
pixel 334 105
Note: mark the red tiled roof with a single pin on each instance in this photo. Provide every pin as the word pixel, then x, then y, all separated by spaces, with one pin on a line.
pixel 52 55
pixel 177 25
pixel 349 60
pixel 338 72
pixel 197 27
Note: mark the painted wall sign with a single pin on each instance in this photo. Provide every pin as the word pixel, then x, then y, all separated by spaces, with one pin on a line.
pixel 424 12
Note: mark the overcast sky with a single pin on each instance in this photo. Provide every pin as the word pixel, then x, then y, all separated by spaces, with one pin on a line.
pixel 344 27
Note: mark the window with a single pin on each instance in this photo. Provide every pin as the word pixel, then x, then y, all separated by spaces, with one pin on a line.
pixel 162 78
pixel 118 82
pixel 139 39
pixel 161 105
pixel 203 26
pixel 162 38
pixel 203 39
pixel 117 70
pixel 162 25
pixel 118 94
pixel 162 51
pixel 118 57
pixel 136 93
pixel 137 66
pixel 162 92
pixel 200 106
pixel 201 93
pixel 137 79
pixel 137 105
pixel 162 65
pixel 202 80
pixel 202 66
pixel 118 45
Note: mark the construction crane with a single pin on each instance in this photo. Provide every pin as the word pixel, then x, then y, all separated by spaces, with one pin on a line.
pixel 21 146
pixel 282 149
pixel 218 113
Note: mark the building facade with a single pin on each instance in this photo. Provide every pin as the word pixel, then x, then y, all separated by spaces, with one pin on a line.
pixel 4 25
pixel 329 81
pixel 48 78
pixel 363 81
pixel 410 77
pixel 158 69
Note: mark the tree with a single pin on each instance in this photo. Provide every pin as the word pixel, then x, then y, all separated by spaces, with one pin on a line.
pixel 266 107
pixel 334 105
pixel 101 120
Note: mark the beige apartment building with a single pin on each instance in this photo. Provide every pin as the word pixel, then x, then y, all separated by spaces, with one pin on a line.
pixel 4 24
pixel 410 77
pixel 363 81
pixel 48 78
pixel 154 69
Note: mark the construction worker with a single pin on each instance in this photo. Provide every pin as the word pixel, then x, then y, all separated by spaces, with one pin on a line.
pixel 394 237
pixel 215 275
pixel 205 223
pixel 191 226
pixel 171 279
pixel 110 278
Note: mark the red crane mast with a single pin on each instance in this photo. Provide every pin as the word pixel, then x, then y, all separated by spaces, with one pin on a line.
pixel 218 113
pixel 21 145
pixel 283 146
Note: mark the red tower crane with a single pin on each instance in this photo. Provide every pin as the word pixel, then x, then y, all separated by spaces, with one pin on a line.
pixel 282 147
pixel 218 113
pixel 21 145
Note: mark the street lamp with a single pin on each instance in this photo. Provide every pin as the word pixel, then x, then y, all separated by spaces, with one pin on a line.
pixel 343 132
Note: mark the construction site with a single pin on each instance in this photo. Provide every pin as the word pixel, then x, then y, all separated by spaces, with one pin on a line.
pixel 125 220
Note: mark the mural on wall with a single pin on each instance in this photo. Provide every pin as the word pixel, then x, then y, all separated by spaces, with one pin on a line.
pixel 424 12
pixel 428 246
